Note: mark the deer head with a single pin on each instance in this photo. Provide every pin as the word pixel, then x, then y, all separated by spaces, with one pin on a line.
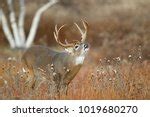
pixel 77 48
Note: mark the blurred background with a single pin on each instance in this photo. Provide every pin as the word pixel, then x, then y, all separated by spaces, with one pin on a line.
pixel 116 27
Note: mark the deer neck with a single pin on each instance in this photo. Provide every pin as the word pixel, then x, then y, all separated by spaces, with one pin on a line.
pixel 71 60
pixel 79 60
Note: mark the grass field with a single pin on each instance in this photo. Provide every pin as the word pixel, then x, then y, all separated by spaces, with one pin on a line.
pixel 117 65
pixel 116 78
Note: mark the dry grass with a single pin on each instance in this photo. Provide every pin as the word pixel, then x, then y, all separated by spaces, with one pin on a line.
pixel 115 78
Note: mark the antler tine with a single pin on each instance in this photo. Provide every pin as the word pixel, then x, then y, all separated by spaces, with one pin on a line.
pixel 55 33
pixel 66 41
pixel 83 34
pixel 56 36
pixel 80 30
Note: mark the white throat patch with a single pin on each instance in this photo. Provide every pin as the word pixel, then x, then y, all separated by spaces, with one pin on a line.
pixel 79 60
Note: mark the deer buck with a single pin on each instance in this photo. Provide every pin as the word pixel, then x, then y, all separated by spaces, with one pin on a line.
pixel 64 65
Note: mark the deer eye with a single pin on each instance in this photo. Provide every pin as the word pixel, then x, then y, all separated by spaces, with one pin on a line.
pixel 76 46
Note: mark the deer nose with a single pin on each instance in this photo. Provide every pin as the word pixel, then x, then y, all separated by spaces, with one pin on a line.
pixel 86 46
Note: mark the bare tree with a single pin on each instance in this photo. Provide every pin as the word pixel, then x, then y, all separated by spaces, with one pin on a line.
pixel 15 33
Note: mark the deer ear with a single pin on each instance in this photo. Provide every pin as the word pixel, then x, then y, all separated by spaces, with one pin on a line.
pixel 69 50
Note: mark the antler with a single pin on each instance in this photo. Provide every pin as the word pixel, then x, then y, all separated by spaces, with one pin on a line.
pixel 56 35
pixel 83 34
